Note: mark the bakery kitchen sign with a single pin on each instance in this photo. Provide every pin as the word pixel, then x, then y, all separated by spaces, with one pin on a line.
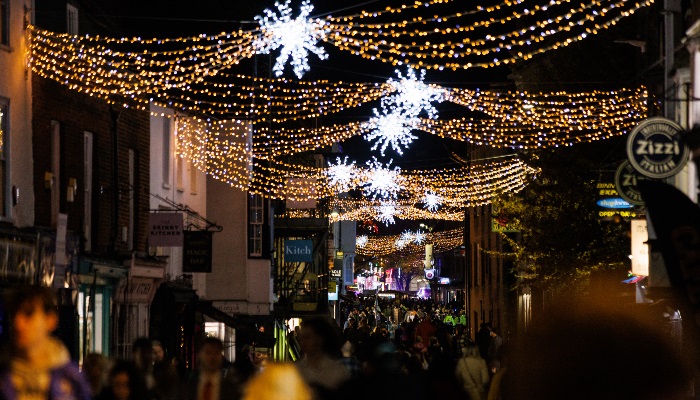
pixel 655 148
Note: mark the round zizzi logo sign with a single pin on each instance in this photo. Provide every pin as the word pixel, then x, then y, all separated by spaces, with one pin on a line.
pixel 654 148
pixel 626 180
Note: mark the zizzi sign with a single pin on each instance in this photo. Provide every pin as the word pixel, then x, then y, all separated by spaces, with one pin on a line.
pixel 654 148
pixel 298 250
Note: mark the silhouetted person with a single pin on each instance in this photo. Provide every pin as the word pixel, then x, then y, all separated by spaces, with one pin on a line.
pixel 209 382
pixel 125 382
pixel 320 365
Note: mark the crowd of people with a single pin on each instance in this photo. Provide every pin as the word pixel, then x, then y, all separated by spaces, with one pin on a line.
pixel 424 354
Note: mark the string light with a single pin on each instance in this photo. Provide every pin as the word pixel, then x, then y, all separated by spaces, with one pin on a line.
pixel 486 48
pixel 297 37
pixel 385 245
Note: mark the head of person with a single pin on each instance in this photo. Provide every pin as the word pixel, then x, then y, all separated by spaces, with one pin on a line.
pixel 158 351
pixel 34 316
pixel 142 352
pixel 95 369
pixel 211 355
pixel 319 336
pixel 277 382
pixel 125 382
pixel 471 350
pixel 589 352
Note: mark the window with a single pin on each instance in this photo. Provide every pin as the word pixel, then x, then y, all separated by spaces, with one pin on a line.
pixel 255 225
pixel 193 179
pixel 166 153
pixel 71 19
pixel 179 172
pixel 87 191
pixel 4 136
pixel 5 22
pixel 55 175
pixel 132 200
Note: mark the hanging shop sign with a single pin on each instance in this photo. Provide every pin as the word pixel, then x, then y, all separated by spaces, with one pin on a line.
pixel 615 203
pixel 197 251
pixel 654 148
pixel 165 229
pixel 626 179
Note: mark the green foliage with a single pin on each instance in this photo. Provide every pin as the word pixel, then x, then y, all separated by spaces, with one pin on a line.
pixel 562 239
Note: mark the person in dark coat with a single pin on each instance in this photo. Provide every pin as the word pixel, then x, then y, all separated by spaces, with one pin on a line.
pixel 483 339
pixel 209 382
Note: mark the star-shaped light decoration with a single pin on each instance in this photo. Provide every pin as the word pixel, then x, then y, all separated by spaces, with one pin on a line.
pixel 413 95
pixel 361 240
pixel 432 200
pixel 385 213
pixel 297 37
pixel 400 243
pixel 419 237
pixel 393 128
pixel 341 175
pixel 381 181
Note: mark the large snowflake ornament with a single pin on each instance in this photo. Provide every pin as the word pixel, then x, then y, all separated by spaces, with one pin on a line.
pixel 361 241
pixel 432 200
pixel 414 96
pixel 297 37
pixel 381 181
pixel 341 175
pixel 419 237
pixel 385 213
pixel 392 128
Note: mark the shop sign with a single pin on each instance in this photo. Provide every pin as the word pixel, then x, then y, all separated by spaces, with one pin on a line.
pixel 640 248
pixel 165 229
pixel 197 251
pixel 614 203
pixel 337 270
pixel 298 250
pixel 626 180
pixel 654 148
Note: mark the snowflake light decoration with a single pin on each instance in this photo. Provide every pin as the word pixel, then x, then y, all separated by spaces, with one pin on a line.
pixel 381 181
pixel 393 128
pixel 400 243
pixel 297 37
pixel 385 213
pixel 341 175
pixel 419 237
pixel 361 240
pixel 432 201
pixel 413 95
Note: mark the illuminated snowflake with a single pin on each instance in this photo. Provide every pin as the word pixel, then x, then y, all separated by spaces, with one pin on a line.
pixel 400 243
pixel 382 182
pixel 385 213
pixel 341 175
pixel 297 37
pixel 432 201
pixel 361 240
pixel 407 236
pixel 419 237
pixel 392 129
pixel 414 96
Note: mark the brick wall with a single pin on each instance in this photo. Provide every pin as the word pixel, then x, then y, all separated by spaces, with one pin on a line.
pixel 77 112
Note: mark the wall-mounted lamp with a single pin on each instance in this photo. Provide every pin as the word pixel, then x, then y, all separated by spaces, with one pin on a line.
pixel 72 189
pixel 335 212
pixel 48 180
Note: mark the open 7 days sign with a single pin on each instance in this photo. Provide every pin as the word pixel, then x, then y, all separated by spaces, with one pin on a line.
pixel 654 148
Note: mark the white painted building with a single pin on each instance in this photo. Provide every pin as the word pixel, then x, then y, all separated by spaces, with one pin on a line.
pixel 16 163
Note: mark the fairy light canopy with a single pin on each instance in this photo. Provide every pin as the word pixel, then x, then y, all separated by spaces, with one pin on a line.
pixel 218 109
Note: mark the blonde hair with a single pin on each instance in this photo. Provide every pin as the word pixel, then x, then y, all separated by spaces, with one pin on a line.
pixel 277 382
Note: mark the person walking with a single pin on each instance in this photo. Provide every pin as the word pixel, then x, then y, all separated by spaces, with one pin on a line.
pixel 209 382
pixel 472 373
